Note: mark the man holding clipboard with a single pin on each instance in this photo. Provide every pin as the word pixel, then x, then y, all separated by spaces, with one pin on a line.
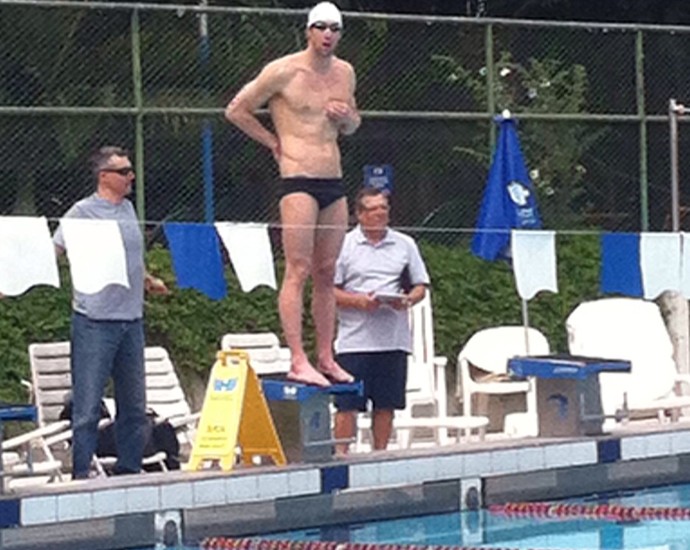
pixel 379 275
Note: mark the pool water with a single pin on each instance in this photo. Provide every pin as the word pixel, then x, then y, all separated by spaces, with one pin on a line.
pixel 490 530
pixel 486 529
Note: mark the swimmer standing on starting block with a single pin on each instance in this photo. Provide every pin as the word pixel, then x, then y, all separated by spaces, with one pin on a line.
pixel 310 95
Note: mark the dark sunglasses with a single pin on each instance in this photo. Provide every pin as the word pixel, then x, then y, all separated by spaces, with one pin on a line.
pixel 122 171
pixel 333 27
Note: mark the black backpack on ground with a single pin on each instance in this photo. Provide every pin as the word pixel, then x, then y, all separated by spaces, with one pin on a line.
pixel 160 437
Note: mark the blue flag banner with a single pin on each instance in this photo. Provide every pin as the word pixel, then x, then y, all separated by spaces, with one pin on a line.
pixel 620 264
pixel 196 258
pixel 509 200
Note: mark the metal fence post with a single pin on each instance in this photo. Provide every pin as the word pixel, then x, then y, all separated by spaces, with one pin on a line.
pixel 139 116
pixel 674 109
pixel 490 95
pixel 206 131
pixel 644 169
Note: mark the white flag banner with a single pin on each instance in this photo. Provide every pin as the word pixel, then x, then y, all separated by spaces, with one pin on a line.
pixel 96 254
pixel 27 255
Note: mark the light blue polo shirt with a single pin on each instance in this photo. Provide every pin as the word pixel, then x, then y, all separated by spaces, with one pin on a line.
pixel 114 302
pixel 364 267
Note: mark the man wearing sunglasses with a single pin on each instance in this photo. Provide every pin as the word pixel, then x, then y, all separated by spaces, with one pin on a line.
pixel 107 336
pixel 310 95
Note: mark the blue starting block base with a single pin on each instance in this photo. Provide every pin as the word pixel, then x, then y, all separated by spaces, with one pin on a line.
pixel 568 392
pixel 302 417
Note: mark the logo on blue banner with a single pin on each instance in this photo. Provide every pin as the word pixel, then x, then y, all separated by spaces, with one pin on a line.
pixel 379 176
pixel 509 200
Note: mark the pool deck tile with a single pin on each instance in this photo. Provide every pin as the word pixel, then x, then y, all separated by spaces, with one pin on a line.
pixel 177 495
pixel 74 506
pixel 450 467
pixel 273 485
pixel 334 478
pixel 365 475
pixel 38 510
pixel 304 482
pixel 108 503
pixel 142 499
pixel 477 463
pixel 421 469
pixel 633 448
pixel 207 492
pixel 658 445
pixel 531 459
pixel 9 513
pixel 680 442
pixel 504 461
pixel 241 488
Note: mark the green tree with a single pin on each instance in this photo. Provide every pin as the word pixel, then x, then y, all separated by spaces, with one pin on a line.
pixel 554 151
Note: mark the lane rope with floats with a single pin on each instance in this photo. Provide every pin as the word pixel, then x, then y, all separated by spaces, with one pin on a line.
pixel 614 512
pixel 227 543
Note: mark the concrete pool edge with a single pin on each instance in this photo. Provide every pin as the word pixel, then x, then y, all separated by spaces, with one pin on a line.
pixel 135 510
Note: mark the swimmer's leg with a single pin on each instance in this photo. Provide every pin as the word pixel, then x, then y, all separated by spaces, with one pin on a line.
pixel 328 239
pixel 299 213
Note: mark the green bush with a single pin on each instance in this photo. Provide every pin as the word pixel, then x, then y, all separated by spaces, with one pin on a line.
pixel 468 294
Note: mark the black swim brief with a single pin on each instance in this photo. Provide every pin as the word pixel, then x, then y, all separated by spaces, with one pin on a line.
pixel 325 190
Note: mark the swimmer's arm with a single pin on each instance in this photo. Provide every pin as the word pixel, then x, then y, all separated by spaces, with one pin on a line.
pixel 241 110
pixel 350 123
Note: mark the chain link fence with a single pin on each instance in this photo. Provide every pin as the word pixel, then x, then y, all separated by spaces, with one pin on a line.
pixel 591 101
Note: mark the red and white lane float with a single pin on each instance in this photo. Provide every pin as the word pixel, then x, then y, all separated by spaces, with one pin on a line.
pixel 612 512
pixel 227 543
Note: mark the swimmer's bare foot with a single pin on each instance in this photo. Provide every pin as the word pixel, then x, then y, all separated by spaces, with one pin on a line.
pixel 306 374
pixel 336 373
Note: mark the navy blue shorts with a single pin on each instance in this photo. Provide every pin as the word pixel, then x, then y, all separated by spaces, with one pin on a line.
pixel 384 374
pixel 324 190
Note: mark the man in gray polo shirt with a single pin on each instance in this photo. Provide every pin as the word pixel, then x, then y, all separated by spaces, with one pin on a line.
pixel 107 337
pixel 373 338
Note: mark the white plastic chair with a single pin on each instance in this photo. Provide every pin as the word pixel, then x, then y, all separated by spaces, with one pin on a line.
pixel 51 386
pixel 164 394
pixel 634 330
pixel 426 393
pixel 30 455
pixel 483 369
pixel 266 356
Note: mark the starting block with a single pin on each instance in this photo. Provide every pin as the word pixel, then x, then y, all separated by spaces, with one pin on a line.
pixel 234 416
pixel 302 416
pixel 568 391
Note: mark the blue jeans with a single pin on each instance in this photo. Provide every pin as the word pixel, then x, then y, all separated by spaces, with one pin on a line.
pixel 100 350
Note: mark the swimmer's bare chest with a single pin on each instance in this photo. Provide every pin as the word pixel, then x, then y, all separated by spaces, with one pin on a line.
pixel 306 95
pixel 308 138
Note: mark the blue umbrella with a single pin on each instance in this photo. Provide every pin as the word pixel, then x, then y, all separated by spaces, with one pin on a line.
pixel 509 200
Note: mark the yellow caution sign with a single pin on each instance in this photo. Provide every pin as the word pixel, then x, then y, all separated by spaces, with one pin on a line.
pixel 235 413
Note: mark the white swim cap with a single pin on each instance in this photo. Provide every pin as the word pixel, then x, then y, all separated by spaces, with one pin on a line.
pixel 324 12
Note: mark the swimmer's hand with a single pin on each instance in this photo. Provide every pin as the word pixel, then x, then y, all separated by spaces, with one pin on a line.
pixel 341 114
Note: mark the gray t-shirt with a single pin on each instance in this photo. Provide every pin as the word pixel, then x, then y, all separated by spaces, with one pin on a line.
pixel 365 267
pixel 114 302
